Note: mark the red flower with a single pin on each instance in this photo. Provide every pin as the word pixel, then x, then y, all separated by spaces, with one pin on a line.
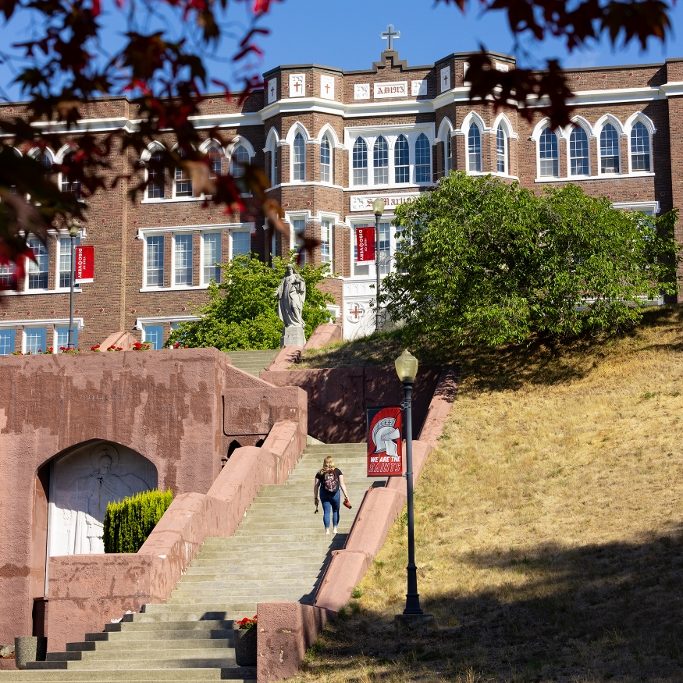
pixel 247 622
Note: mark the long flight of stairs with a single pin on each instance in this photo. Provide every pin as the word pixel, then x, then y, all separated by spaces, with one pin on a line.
pixel 279 552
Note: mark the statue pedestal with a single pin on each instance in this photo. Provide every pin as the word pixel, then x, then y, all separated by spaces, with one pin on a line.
pixel 293 336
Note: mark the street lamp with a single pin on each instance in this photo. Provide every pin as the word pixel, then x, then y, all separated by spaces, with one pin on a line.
pixel 378 210
pixel 74 231
pixel 406 369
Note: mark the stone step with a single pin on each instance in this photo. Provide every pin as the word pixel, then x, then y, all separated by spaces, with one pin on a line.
pixel 153 622
pixel 152 631
pixel 198 611
pixel 133 654
pixel 146 675
pixel 116 662
pixel 155 643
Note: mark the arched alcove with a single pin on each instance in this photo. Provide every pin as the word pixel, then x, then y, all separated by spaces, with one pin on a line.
pixel 81 481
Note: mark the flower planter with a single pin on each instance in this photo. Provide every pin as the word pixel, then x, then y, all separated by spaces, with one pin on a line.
pixel 245 646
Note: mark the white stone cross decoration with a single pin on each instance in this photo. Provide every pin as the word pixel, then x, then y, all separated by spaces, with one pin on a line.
pixel 389 35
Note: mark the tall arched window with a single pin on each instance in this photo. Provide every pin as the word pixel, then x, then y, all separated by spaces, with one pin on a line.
pixel 238 159
pixel 447 153
pixel 68 181
pixel 360 162
pixel 474 148
pixel 609 149
pixel 401 160
pixel 548 155
pixel 183 182
pixel 326 160
pixel 155 175
pixel 578 152
pixel 299 158
pixel 423 160
pixel 380 158
pixel 640 147
pixel 502 151
pixel 217 160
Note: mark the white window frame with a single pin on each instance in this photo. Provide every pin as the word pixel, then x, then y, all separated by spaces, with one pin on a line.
pixel 329 180
pixel 368 220
pixel 576 125
pixel 616 126
pixel 50 325
pixel 298 168
pixel 203 280
pixel 292 216
pixel 63 235
pixel 32 265
pixel 152 149
pixel 145 263
pixel 479 155
pixel 332 219
pixel 232 233
pixel 556 158
pixel 650 131
pixel 184 237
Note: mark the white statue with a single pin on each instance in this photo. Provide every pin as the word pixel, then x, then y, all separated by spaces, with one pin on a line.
pixel 291 295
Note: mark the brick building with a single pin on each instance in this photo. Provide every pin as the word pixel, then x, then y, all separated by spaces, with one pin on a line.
pixel 332 141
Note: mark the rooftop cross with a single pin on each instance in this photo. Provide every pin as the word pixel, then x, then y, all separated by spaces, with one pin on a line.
pixel 389 35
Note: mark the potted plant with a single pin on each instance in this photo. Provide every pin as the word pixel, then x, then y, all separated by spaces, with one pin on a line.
pixel 245 641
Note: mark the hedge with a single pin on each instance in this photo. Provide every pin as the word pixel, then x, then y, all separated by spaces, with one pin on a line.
pixel 128 523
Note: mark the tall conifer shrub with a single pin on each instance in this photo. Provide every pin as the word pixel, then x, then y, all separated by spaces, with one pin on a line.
pixel 128 523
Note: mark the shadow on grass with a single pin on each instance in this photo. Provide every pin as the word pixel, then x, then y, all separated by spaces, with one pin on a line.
pixel 585 614
pixel 508 367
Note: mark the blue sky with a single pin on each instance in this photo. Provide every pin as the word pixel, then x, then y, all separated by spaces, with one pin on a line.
pixel 346 34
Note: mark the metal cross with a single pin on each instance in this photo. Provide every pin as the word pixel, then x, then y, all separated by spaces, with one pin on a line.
pixel 389 35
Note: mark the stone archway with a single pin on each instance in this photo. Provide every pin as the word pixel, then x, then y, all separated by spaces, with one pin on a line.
pixel 83 481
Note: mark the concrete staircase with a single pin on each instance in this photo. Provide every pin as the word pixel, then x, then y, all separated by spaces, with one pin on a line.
pixel 253 362
pixel 279 552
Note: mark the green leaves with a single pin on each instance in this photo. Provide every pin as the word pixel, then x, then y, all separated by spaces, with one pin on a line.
pixel 242 310
pixel 487 262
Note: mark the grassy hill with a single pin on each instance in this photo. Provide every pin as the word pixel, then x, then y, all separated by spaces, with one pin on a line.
pixel 549 527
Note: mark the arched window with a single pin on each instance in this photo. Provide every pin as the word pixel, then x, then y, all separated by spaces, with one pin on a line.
pixel 609 149
pixel 548 155
pixel 380 158
pixel 68 182
pixel 326 160
pixel 640 147
pixel 217 161
pixel 447 152
pixel 502 151
pixel 299 159
pixel 423 160
pixel 238 159
pixel 474 148
pixel 401 160
pixel 155 175
pixel 183 182
pixel 578 152
pixel 360 162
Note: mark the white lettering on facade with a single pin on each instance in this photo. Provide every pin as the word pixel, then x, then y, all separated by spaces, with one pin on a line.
pixel 364 202
pixel 398 89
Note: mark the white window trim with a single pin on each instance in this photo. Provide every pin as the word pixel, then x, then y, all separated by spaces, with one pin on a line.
pixel 390 133
pixel 51 325
pixel 546 178
pixel 202 261
pixel 629 131
pixel 145 286
pixel 651 208
pixel 335 218
pixel 231 232
pixel 160 320
pixel 173 261
pixel 589 137
pixel 58 236
pixel 468 170
pixel 290 216
pixel 367 219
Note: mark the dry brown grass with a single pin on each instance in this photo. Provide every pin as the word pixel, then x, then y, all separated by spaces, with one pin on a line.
pixel 549 529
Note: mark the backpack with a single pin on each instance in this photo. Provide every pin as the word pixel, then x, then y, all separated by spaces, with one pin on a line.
pixel 330 481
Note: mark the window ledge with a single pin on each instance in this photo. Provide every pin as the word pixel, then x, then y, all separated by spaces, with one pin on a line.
pixel 174 288
pixel 23 292
pixel 601 176
pixel 171 200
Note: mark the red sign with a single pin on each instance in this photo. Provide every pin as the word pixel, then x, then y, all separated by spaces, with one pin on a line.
pixel 365 245
pixel 385 434
pixel 85 264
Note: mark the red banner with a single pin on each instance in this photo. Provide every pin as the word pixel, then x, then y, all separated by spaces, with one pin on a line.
pixel 85 264
pixel 365 245
pixel 385 434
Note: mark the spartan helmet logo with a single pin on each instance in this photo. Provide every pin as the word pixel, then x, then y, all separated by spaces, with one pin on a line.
pixel 384 434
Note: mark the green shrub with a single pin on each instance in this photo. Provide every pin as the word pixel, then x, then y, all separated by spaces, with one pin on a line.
pixel 128 523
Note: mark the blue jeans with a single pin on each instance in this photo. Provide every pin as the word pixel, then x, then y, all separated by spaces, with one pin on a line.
pixel 330 503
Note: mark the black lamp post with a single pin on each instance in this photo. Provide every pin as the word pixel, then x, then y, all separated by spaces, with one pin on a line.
pixel 406 369
pixel 74 231
pixel 378 210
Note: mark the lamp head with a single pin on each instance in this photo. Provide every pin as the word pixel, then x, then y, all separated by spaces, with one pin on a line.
pixel 406 366
pixel 378 206
pixel 74 229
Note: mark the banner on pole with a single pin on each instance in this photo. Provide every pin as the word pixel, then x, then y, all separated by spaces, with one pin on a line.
pixel 365 245
pixel 385 439
pixel 85 264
